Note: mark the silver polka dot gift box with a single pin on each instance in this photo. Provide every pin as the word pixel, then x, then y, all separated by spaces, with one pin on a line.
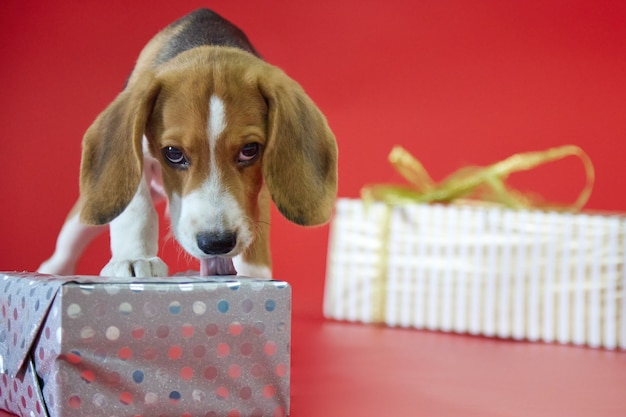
pixel 180 346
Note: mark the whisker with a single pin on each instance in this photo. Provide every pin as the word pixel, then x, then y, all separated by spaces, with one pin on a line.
pixel 170 239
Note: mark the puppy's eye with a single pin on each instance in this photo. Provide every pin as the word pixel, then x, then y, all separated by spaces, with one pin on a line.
pixel 248 153
pixel 175 157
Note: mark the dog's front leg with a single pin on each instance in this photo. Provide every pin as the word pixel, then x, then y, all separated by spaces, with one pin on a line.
pixel 135 239
pixel 71 243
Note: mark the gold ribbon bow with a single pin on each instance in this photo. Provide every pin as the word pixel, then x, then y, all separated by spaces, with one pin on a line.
pixel 482 183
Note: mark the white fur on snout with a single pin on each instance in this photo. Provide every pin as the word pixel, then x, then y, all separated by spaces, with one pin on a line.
pixel 210 208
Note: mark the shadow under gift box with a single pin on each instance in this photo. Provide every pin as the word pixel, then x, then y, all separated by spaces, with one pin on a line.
pixel 75 346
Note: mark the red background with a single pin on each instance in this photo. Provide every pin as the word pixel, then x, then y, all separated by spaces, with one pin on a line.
pixel 455 82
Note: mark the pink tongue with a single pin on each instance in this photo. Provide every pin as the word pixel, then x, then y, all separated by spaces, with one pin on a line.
pixel 216 266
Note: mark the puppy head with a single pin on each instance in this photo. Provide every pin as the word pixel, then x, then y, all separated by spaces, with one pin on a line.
pixel 224 124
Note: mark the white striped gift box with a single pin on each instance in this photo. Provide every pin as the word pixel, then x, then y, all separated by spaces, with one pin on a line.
pixel 526 275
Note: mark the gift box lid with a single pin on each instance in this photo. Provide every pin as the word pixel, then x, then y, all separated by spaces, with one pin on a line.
pixel 26 299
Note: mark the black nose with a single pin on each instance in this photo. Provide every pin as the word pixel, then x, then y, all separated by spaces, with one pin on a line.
pixel 216 243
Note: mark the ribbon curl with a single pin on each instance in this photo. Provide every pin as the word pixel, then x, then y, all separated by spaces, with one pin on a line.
pixel 486 184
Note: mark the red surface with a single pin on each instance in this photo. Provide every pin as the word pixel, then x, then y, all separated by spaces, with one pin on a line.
pixel 354 370
pixel 351 370
pixel 455 82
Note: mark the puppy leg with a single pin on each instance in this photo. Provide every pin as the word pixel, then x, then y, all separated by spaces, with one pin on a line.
pixel 256 261
pixel 248 269
pixel 134 239
pixel 70 245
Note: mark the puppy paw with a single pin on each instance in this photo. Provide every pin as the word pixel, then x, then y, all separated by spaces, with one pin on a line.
pixel 149 267
pixel 54 266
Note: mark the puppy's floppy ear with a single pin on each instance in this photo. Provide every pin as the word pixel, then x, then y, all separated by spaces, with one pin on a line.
pixel 112 159
pixel 300 156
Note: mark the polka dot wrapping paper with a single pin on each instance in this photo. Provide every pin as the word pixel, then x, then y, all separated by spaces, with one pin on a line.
pixel 485 270
pixel 180 346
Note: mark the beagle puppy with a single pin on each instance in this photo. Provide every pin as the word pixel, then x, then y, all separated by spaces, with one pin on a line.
pixel 207 124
